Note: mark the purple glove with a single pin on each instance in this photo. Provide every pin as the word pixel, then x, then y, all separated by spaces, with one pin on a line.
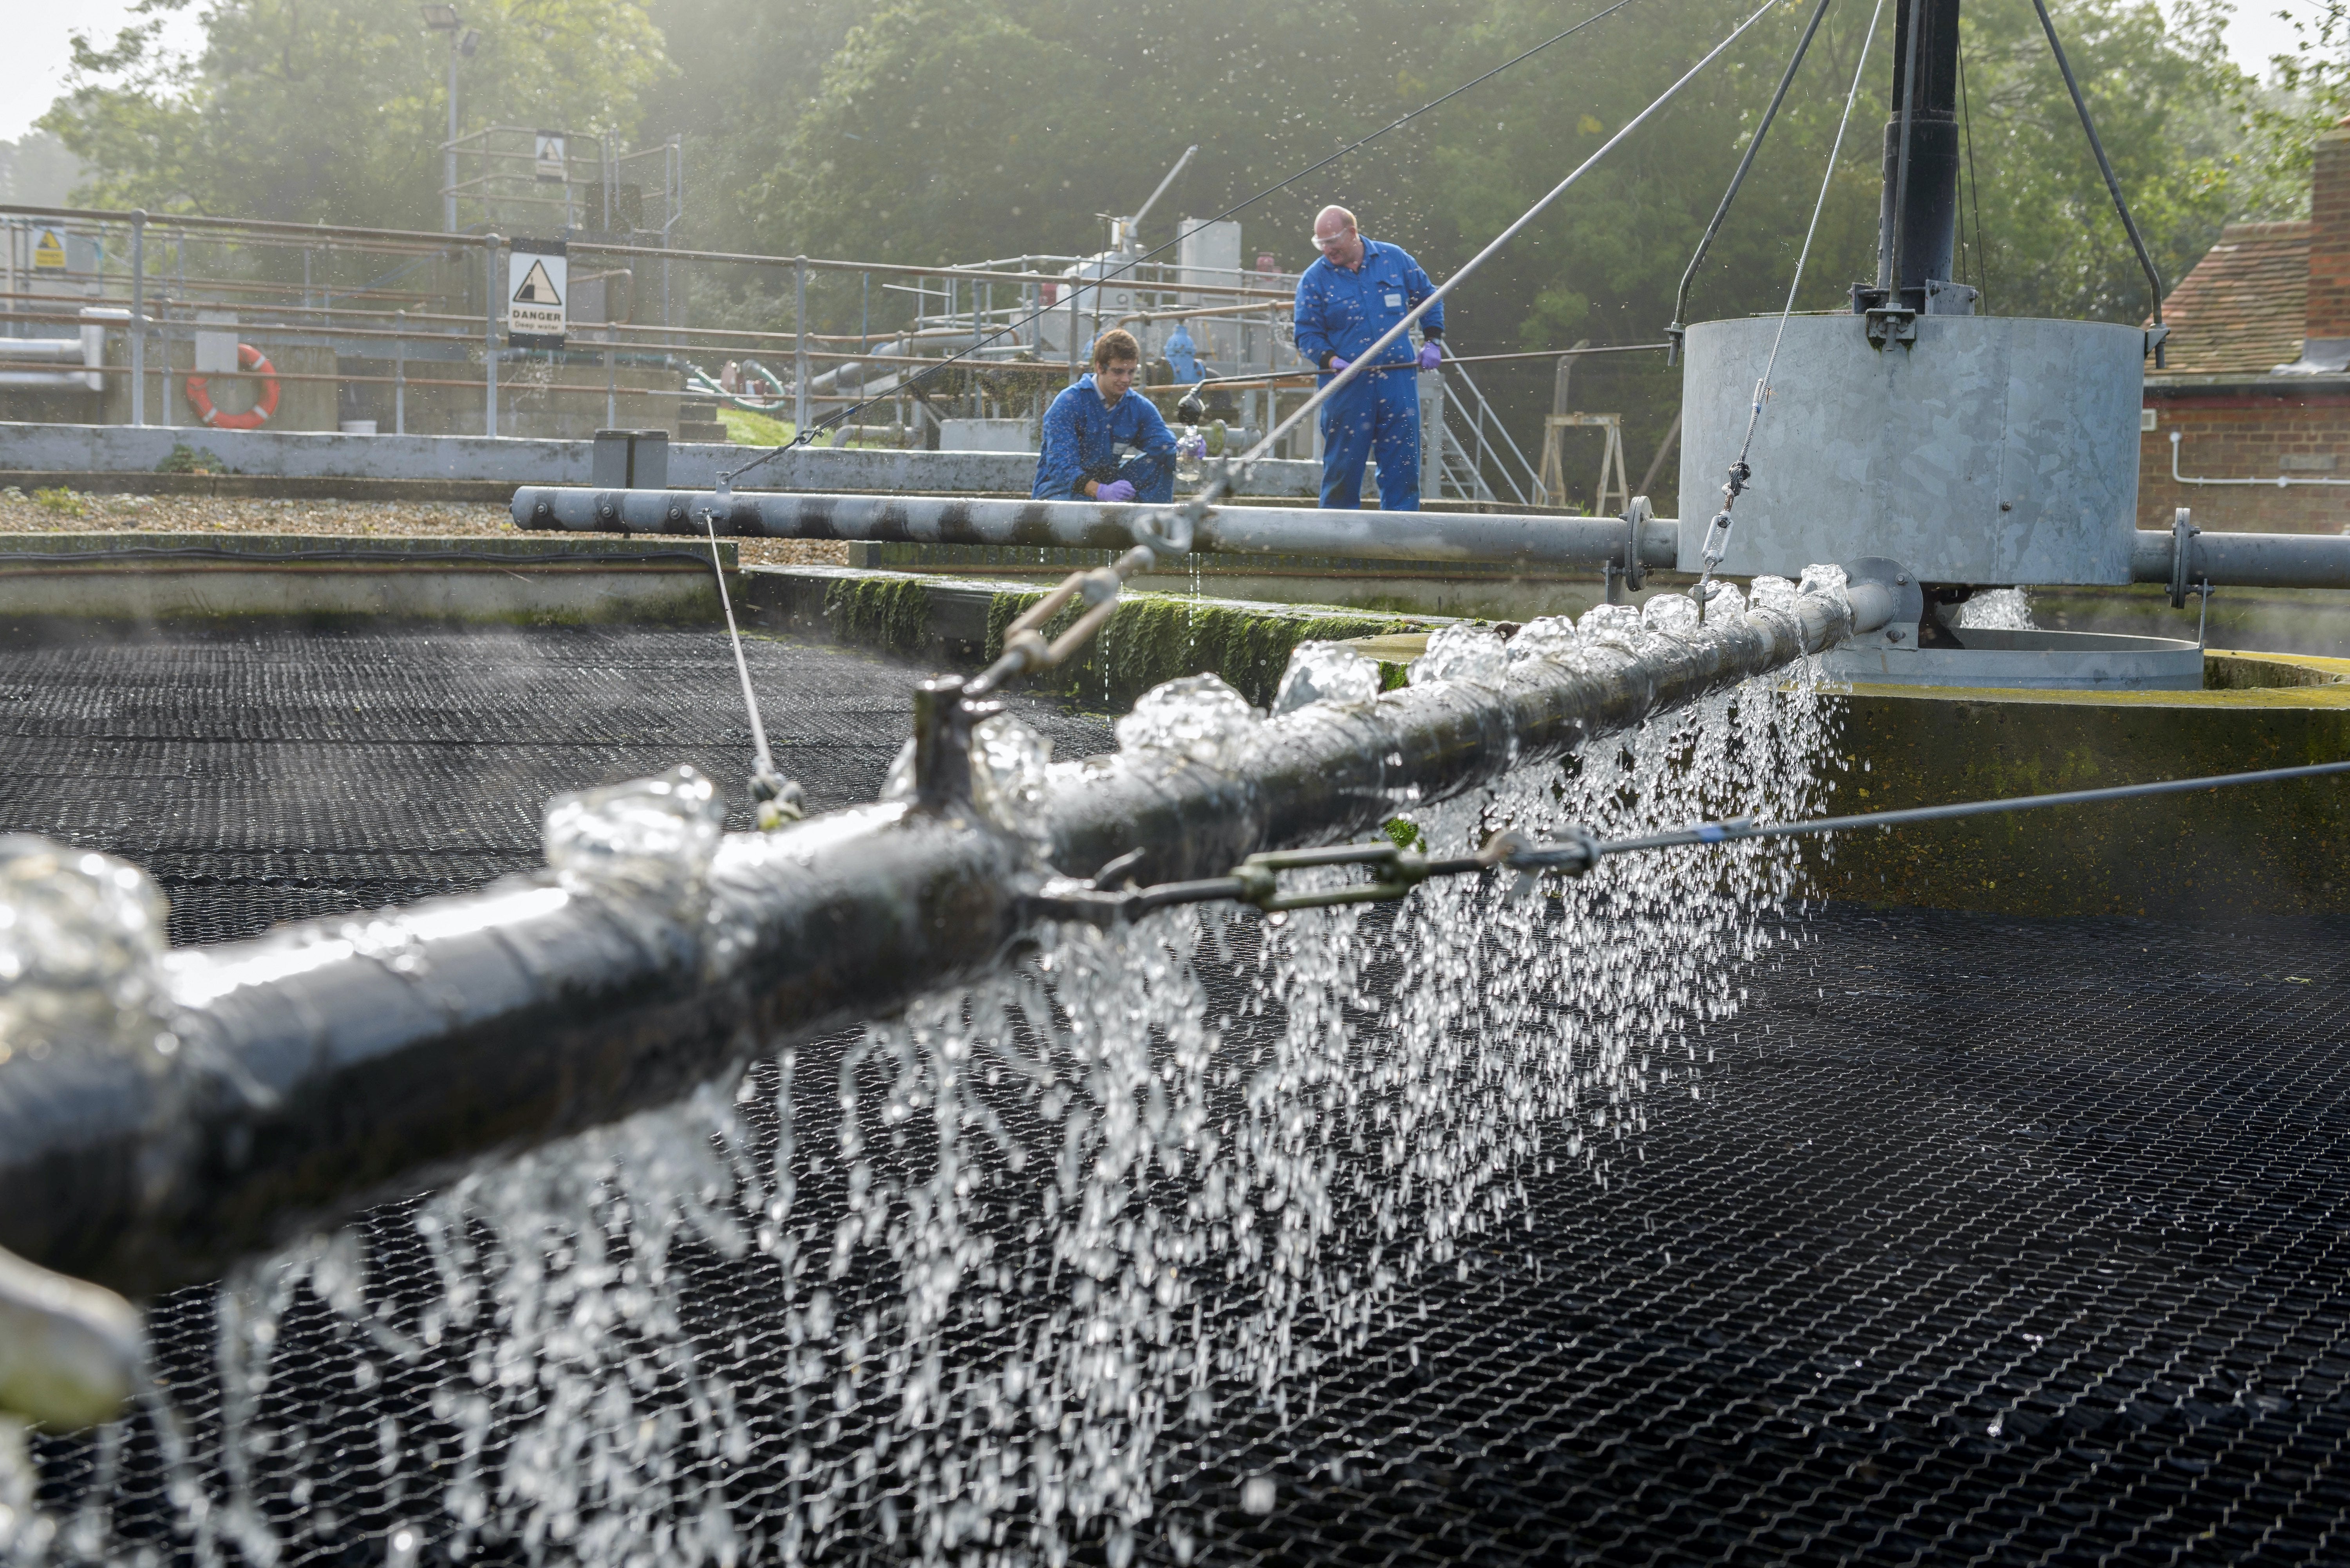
pixel 1430 356
pixel 1115 490
pixel 1338 364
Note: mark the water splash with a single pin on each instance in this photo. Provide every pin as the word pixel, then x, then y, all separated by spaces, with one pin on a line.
pixel 1463 652
pixel 1199 717
pixel 1725 603
pixel 1997 609
pixel 81 948
pixel 1772 593
pixel 1325 672
pixel 1011 768
pixel 1610 625
pixel 1672 615
pixel 952 1285
pixel 654 837
pixel 1551 636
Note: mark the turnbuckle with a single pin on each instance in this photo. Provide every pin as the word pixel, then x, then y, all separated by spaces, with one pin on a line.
pixel 1110 897
pixel 1398 871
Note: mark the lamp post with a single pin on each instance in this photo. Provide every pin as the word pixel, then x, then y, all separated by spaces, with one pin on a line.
pixel 462 42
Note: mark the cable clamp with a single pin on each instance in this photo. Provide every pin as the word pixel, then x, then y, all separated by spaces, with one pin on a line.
pixel 1891 324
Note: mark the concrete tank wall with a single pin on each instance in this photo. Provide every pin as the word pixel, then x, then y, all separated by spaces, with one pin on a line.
pixel 1992 451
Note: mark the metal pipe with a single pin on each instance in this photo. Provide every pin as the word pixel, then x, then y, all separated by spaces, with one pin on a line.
pixel 1152 200
pixel 2245 560
pixel 336 1062
pixel 1100 525
pixel 449 149
pixel 1888 266
pixel 800 350
pixel 2282 482
pixel 489 293
pixel 138 319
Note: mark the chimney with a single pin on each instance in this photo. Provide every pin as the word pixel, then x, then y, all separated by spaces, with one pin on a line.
pixel 2329 235
pixel 2325 326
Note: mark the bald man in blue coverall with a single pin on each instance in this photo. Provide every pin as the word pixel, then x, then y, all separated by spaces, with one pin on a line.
pixel 1346 302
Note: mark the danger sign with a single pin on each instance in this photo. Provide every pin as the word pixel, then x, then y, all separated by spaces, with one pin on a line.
pixel 538 280
pixel 550 160
pixel 49 251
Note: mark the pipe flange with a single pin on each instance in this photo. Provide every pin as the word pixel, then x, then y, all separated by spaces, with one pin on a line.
pixel 1638 515
pixel 2182 556
pixel 1887 601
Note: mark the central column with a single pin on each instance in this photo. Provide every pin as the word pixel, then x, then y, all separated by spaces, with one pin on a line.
pixel 1921 237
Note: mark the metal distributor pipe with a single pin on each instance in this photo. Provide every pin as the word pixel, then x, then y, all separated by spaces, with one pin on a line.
pixel 2188 554
pixel 2226 560
pixel 1102 525
pixel 343 1060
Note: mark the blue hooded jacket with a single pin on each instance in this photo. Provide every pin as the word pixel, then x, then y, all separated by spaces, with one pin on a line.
pixel 1082 434
pixel 1343 313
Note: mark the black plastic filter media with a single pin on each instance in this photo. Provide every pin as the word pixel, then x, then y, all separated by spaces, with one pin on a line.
pixel 1994 1241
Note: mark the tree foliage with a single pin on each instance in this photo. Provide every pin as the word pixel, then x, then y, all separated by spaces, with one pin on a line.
pixel 930 130
pixel 334 111
pixel 2308 94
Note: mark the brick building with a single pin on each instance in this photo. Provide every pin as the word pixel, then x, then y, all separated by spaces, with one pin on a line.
pixel 2257 384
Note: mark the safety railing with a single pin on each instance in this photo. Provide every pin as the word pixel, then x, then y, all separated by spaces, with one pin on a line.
pixel 410 330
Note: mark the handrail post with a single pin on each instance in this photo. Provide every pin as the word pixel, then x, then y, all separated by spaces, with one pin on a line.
pixel 489 336
pixel 799 348
pixel 139 317
pixel 400 373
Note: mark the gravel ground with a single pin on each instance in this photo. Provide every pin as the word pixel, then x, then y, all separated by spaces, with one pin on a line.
pixel 79 513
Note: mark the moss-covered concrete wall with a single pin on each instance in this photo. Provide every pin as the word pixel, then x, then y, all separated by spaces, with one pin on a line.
pixel 2248 852
pixel 887 614
pixel 1156 637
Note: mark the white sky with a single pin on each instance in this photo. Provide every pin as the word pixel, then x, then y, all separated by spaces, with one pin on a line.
pixel 33 67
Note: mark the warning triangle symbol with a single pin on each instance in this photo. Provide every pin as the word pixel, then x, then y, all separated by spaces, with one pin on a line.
pixel 538 288
pixel 49 251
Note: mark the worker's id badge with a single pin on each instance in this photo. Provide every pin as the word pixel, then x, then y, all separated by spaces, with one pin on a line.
pixel 1395 302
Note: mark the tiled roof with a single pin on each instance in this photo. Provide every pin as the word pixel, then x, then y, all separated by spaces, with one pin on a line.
pixel 2239 311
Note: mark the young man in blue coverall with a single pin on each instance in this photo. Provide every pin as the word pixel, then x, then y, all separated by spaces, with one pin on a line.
pixel 1086 422
pixel 1346 302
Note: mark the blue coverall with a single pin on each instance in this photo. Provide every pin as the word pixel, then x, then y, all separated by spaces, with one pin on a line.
pixel 1081 438
pixel 1182 355
pixel 1376 414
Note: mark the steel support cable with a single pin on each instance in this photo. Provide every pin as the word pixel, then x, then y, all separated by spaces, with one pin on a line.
pixel 1674 333
pixel 779 799
pixel 1716 545
pixel 801 437
pixel 1975 185
pixel 1397 870
pixel 2104 167
pixel 1170 533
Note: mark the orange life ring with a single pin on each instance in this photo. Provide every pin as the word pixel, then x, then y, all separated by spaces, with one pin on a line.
pixel 248 361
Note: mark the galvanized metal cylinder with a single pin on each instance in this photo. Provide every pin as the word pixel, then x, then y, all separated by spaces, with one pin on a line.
pixel 1990 450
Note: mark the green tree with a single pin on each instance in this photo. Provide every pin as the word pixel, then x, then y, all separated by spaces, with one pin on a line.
pixel 2050 243
pixel 334 111
pixel 2308 93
